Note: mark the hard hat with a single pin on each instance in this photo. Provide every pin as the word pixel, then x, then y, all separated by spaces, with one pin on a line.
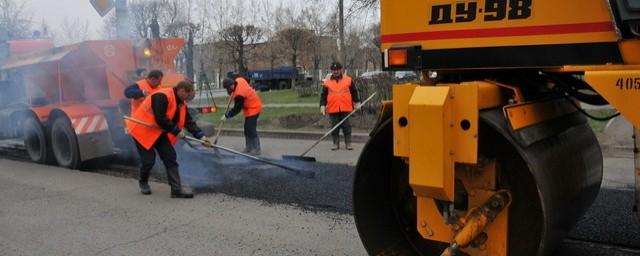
pixel 336 66
pixel 228 82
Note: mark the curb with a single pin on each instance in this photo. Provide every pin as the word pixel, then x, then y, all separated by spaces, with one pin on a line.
pixel 617 151
pixel 210 130
pixel 294 135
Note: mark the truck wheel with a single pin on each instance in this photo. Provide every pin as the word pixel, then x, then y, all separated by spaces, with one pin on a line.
pixel 65 144
pixel 283 85
pixel 36 142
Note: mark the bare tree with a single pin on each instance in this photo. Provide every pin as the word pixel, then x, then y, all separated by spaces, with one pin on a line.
pixel 317 22
pixel 293 40
pixel 341 30
pixel 144 14
pixel 272 49
pixel 108 30
pixel 353 57
pixel 360 5
pixel 238 40
pixel 179 21
pixel 73 31
pixel 14 21
pixel 372 45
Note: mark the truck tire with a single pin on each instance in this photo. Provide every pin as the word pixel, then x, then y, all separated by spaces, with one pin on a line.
pixel 36 142
pixel 284 85
pixel 65 144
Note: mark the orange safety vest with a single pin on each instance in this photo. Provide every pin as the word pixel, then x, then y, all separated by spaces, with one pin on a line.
pixel 339 97
pixel 252 104
pixel 147 89
pixel 147 136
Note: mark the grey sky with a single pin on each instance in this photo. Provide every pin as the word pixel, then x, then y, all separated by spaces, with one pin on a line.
pixel 54 12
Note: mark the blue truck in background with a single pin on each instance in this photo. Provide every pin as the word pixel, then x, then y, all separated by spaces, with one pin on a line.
pixel 276 78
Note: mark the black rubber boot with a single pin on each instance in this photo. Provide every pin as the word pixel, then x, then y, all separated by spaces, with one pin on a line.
pixel 248 145
pixel 255 143
pixel 144 187
pixel 347 142
pixel 177 191
pixel 336 144
pixel 182 193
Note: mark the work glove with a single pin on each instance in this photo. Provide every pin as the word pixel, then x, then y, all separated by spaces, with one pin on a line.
pixel 323 110
pixel 358 105
pixel 181 134
pixel 206 142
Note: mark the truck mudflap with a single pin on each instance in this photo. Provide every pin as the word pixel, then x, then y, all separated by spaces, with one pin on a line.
pixel 89 125
pixel 95 145
pixel 94 138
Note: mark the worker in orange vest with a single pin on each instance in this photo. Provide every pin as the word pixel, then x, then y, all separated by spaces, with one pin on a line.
pixel 338 99
pixel 246 99
pixel 166 111
pixel 140 90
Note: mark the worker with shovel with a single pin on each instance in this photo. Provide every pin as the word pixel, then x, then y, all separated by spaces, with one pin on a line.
pixel 246 100
pixel 165 113
pixel 338 99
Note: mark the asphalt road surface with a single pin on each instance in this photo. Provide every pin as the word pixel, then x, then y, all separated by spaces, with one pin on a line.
pixel 242 208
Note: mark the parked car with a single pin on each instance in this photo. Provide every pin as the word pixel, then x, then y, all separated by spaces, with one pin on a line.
pixel 375 75
pixel 405 75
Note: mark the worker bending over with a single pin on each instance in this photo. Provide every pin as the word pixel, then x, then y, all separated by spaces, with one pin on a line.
pixel 166 111
pixel 246 99
pixel 338 97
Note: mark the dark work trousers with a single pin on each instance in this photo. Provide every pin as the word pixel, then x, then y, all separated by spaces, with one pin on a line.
pixel 251 133
pixel 345 127
pixel 167 155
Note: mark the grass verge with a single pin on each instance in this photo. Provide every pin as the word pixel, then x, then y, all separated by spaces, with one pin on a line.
pixel 271 97
pixel 599 126
pixel 267 118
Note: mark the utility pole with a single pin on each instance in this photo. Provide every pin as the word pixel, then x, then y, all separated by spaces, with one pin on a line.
pixel 342 57
pixel 123 27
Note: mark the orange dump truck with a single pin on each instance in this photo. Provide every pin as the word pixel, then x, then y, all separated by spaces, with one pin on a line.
pixel 65 102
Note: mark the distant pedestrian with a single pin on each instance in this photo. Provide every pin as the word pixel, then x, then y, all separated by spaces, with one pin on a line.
pixel 338 99
pixel 166 111
pixel 246 100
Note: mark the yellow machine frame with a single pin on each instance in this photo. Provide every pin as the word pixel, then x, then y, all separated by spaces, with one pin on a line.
pixel 436 124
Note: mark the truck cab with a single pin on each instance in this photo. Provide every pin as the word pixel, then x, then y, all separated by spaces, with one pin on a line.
pixel 277 78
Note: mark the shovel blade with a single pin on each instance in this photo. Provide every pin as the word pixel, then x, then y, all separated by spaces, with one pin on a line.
pixel 299 158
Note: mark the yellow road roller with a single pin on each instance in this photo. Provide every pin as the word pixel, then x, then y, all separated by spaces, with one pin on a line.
pixel 490 152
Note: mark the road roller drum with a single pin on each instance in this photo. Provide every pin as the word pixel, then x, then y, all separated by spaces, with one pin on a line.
pixel 553 171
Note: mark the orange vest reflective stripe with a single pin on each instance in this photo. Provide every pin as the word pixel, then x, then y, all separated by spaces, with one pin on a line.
pixel 145 87
pixel 252 104
pixel 147 136
pixel 339 97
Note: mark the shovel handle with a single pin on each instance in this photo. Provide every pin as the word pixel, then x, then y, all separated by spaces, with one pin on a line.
pixel 215 139
pixel 128 118
pixel 303 173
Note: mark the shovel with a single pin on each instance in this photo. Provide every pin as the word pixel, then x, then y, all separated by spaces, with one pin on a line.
pixel 303 157
pixel 303 173
pixel 215 139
